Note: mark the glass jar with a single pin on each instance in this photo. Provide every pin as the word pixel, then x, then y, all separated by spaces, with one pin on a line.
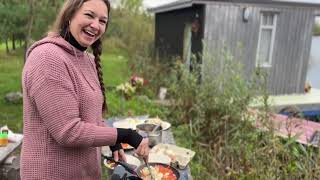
pixel 4 139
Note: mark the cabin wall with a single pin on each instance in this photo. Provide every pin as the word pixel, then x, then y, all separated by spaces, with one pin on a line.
pixel 225 28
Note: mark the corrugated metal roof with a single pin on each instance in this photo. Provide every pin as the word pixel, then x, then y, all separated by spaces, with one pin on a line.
pixel 178 4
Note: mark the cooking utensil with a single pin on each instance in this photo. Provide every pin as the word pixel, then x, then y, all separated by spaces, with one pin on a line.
pixel 155 128
pixel 128 167
pixel 121 173
pixel 146 130
pixel 146 162
pixel 164 124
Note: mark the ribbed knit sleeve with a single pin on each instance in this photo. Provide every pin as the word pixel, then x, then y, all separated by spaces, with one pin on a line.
pixel 57 100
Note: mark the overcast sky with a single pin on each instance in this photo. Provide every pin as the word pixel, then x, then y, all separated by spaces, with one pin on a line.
pixel 309 1
pixel 153 3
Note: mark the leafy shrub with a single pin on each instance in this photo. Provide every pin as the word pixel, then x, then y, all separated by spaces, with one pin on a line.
pixel 316 29
pixel 222 131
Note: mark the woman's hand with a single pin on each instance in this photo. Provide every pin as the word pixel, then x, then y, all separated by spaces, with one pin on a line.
pixel 119 154
pixel 143 148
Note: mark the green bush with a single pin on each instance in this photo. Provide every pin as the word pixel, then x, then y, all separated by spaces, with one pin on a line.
pixel 316 30
pixel 136 106
pixel 130 30
pixel 213 116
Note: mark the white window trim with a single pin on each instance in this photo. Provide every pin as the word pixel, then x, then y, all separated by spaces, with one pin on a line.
pixel 273 28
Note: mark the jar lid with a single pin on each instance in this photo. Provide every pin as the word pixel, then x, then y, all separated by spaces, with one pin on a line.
pixel 3 135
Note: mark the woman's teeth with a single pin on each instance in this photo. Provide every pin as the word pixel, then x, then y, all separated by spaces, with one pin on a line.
pixel 89 33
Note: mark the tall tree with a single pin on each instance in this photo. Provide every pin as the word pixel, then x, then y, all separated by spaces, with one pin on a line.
pixel 13 20
pixel 134 6
pixel 40 18
pixel 26 19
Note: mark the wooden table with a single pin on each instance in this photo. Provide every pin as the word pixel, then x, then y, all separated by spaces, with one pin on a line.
pixel 10 165
pixel 167 138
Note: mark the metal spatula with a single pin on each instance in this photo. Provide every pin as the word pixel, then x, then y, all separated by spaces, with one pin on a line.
pixel 147 164
pixel 130 168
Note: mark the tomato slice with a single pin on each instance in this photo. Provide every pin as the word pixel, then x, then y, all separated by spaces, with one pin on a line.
pixel 167 173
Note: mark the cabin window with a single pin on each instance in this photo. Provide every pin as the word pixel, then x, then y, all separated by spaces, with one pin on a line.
pixel 268 22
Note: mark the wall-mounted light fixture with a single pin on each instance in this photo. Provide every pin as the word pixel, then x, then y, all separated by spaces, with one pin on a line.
pixel 246 13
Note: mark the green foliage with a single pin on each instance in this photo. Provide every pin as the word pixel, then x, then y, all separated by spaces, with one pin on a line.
pixel 44 16
pixel 13 19
pixel 130 29
pixel 316 29
pixel 137 105
pixel 10 80
pixel 26 19
pixel 214 118
pixel 115 69
pixel 132 6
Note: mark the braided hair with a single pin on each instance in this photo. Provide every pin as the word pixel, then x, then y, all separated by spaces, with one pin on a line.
pixel 97 50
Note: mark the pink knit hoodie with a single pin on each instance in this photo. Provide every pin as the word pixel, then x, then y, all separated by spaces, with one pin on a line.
pixel 62 114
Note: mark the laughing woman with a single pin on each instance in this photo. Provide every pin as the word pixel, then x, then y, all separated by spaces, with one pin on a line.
pixel 64 99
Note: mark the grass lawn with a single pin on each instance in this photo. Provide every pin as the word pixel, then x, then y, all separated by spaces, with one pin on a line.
pixel 10 81
pixel 115 72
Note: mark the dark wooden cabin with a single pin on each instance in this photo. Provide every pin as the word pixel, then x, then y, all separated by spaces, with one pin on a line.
pixel 275 35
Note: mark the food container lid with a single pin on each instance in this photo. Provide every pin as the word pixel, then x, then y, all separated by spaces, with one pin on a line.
pixel 3 135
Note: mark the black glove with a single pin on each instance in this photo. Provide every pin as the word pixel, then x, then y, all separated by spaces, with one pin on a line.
pixel 116 147
pixel 128 136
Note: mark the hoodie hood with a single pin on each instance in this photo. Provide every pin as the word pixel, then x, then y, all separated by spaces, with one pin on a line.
pixel 58 41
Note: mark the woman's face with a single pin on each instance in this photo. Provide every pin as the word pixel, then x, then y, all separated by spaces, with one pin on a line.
pixel 89 22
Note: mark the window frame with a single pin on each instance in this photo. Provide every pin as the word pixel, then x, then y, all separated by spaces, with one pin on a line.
pixel 273 29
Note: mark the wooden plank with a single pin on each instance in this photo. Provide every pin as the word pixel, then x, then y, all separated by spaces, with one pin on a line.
pixel 228 29
pixel 273 79
pixel 238 30
pixel 299 47
pixel 251 40
pixel 292 50
pixel 279 59
pixel 233 30
pixel 210 43
pixel 306 45
pixel 295 49
pixel 220 28
pixel 285 49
